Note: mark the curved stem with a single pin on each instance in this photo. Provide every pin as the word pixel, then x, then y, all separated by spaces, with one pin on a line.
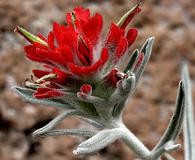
pixel 55 122
pixel 135 144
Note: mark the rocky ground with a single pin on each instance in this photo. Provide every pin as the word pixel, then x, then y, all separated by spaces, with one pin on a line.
pixel 149 110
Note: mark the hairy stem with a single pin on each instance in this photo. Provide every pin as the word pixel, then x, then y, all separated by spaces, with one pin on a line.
pixel 135 144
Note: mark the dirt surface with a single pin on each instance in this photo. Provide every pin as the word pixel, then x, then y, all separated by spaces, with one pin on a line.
pixel 149 110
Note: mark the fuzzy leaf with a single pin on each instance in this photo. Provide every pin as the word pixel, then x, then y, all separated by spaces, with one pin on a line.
pixel 132 61
pixel 123 89
pixel 175 123
pixel 118 108
pixel 146 50
pixel 189 125
pixel 166 148
pixel 55 122
pixel 121 94
pixel 99 141
pixel 27 94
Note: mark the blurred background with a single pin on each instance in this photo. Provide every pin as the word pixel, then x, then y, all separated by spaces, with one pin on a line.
pixel 172 22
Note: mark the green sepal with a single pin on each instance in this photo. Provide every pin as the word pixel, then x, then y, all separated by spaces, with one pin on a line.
pixel 73 18
pixel 29 37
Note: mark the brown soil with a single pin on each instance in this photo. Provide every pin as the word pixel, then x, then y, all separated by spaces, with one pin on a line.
pixel 149 110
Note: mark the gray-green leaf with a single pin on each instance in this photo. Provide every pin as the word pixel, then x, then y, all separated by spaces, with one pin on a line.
pixel 175 123
pixel 189 125
pixel 146 50
pixel 99 141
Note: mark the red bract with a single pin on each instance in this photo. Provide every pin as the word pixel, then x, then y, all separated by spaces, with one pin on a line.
pixel 86 89
pixel 78 52
pixel 47 93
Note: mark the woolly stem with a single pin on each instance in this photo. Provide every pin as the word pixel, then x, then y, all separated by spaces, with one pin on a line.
pixel 71 132
pixel 135 144
pixel 55 122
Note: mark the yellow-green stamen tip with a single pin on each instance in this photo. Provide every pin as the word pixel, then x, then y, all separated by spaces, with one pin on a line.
pixel 29 37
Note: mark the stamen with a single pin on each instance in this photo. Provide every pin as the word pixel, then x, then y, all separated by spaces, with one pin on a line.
pixel 47 77
pixel 73 17
pixel 31 85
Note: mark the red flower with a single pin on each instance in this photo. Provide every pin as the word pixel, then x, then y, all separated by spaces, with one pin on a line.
pixel 77 52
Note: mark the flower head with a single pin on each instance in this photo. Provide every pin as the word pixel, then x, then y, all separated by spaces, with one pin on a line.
pixel 77 53
pixel 83 68
pixel 85 73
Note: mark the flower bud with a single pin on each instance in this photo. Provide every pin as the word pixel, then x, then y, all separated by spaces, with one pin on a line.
pixel 127 17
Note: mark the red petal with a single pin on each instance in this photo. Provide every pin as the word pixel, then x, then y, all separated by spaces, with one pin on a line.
pixel 112 77
pixel 53 85
pixel 47 93
pixel 83 46
pixel 54 57
pixel 44 53
pixel 31 54
pixel 141 57
pixel 39 45
pixel 90 69
pixel 114 36
pixel 92 28
pixel 71 38
pixel 51 41
pixel 80 13
pixel 131 36
pixel 83 59
pixel 58 58
pixel 57 31
pixel 65 36
pixel 86 50
pixel 86 88
pixel 66 54
pixel 39 73
pixel 104 56
pixel 47 66
pixel 122 46
pixel 42 90
pixel 42 37
pixel 61 76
